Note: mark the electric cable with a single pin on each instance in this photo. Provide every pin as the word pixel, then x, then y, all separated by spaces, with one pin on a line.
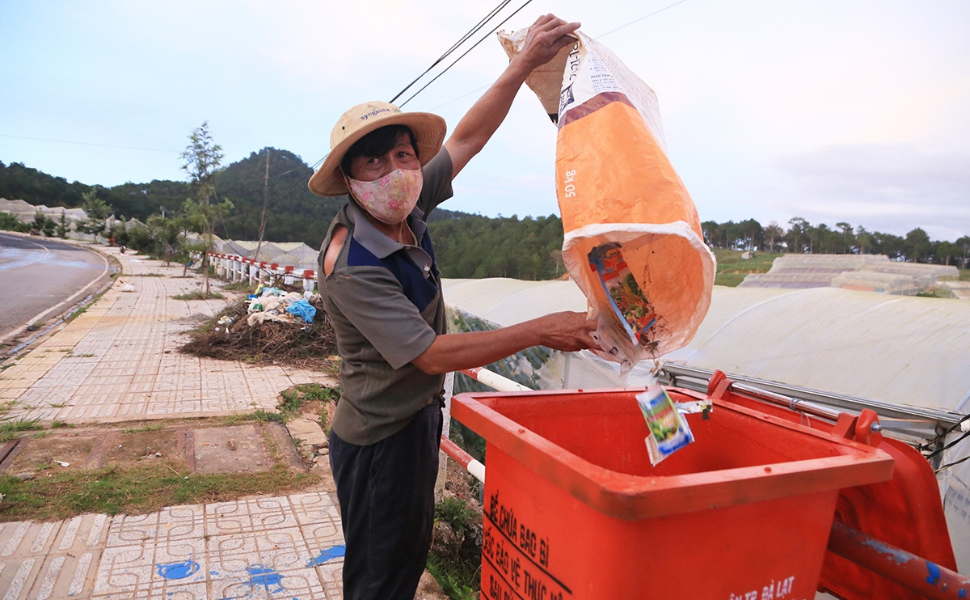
pixel 948 446
pixel 475 45
pixel 455 46
pixel 640 19
pixel 953 464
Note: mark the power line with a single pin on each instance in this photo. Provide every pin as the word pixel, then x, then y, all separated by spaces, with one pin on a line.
pixel 640 19
pixel 455 46
pixel 459 98
pixel 23 137
pixel 487 35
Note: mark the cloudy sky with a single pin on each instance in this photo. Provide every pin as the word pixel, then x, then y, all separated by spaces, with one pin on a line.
pixel 844 110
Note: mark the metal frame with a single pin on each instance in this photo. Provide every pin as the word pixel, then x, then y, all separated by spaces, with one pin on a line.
pixel 910 424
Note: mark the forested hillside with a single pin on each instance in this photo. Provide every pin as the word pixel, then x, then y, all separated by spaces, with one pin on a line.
pixel 472 246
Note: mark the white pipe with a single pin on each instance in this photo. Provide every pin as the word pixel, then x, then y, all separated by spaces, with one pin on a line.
pixel 495 381
pixel 477 470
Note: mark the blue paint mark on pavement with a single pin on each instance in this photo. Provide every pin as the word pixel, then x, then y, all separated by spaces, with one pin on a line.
pixel 962 593
pixel 934 570
pixel 266 577
pixel 328 554
pixel 178 570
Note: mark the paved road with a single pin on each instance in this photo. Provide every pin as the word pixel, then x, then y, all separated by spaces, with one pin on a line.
pixel 37 274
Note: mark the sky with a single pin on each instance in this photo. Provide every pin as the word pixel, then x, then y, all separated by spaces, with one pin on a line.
pixel 848 110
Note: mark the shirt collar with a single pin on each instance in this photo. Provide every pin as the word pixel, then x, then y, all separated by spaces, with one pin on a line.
pixel 374 240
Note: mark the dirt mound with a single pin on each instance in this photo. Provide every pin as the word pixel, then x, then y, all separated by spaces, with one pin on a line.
pixel 298 344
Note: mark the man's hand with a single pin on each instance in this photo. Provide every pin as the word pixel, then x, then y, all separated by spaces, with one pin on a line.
pixel 547 36
pixel 566 331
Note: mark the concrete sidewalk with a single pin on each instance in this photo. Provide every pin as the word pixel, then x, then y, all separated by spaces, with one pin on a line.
pixel 118 362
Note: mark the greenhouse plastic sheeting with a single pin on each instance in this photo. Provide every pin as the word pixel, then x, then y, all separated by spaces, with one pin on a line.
pixel 902 350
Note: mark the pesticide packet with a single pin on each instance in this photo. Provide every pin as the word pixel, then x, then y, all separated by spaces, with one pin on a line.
pixel 615 184
pixel 634 315
pixel 669 431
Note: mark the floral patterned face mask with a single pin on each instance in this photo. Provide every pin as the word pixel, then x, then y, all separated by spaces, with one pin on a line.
pixel 391 198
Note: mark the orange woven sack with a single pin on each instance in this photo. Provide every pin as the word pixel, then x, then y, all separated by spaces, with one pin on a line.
pixel 620 198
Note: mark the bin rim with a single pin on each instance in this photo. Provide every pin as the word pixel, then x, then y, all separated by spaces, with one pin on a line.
pixel 633 497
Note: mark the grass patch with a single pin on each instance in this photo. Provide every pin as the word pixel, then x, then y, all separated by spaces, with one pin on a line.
pixel 259 415
pixel 732 269
pixel 294 397
pixel 151 427
pixel 72 355
pixel 964 274
pixel 199 295
pixel 144 488
pixel 453 580
pixel 60 425
pixel 10 429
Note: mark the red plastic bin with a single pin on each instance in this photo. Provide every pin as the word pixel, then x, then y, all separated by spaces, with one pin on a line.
pixel 573 508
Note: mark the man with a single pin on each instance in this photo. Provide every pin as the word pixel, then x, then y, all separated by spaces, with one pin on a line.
pixel 381 289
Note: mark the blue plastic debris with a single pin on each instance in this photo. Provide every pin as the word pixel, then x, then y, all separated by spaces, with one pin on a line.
pixel 302 309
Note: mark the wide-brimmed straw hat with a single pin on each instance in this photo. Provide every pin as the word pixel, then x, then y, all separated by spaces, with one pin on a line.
pixel 428 129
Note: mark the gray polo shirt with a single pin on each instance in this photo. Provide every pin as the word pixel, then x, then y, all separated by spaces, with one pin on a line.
pixel 384 302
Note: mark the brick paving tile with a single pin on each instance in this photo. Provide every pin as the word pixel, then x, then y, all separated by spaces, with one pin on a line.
pixel 119 360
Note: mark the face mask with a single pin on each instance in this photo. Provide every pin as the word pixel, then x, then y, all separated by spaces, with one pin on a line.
pixel 391 198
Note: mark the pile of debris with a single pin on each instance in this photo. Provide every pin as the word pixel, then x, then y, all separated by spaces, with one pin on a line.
pixel 273 326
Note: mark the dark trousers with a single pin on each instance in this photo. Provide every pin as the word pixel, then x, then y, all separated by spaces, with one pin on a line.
pixel 386 495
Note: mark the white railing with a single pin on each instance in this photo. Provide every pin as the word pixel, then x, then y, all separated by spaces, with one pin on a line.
pixel 237 268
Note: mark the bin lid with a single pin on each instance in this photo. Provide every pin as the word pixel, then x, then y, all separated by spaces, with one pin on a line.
pixel 905 512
